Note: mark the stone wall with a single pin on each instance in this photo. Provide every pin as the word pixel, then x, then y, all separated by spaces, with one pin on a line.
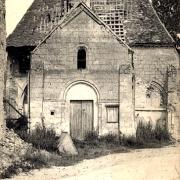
pixel 2 62
pixel 156 70
pixel 54 70
pixel 15 94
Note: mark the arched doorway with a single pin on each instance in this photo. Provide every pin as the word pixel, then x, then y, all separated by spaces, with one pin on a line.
pixel 82 98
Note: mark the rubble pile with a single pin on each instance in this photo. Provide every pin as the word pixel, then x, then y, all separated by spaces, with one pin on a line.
pixel 12 149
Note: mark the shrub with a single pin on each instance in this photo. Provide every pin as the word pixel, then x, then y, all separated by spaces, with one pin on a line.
pixel 145 132
pixel 36 158
pixel 19 124
pixel 147 136
pixel 41 138
pixel 162 133
pixel 32 159
pixel 129 141
pixel 91 138
pixel 11 170
pixel 110 138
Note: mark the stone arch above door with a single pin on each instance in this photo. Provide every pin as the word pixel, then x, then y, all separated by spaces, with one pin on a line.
pixel 81 90
pixel 82 98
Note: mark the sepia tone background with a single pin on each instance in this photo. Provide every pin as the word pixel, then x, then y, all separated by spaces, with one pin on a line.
pixel 15 11
pixel 169 169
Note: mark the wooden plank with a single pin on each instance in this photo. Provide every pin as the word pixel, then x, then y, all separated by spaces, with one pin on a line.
pixel 112 114
pixel 87 117
pixel 81 119
pixel 76 120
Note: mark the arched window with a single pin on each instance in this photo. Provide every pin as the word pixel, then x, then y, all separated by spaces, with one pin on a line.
pixel 81 58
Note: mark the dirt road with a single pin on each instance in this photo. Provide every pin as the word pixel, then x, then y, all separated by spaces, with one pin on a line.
pixel 148 164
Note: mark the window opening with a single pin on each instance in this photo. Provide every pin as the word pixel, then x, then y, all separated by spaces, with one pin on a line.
pixel 81 59
pixel 112 114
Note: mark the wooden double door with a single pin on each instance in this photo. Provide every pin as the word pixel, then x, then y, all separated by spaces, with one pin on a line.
pixel 81 121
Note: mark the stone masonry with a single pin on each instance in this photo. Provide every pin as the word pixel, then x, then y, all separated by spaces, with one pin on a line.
pixel 54 73
pixel 156 61
pixel 2 62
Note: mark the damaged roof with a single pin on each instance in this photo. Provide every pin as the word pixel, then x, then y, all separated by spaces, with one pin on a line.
pixel 32 27
pixel 144 26
pixel 73 13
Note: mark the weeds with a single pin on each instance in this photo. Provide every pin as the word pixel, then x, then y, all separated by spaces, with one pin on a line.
pixel 20 124
pixel 148 136
pixel 33 159
pixel 129 141
pixel 15 169
pixel 91 138
pixel 110 139
pixel 41 138
pixel 93 146
pixel 147 133
pixel 162 133
pixel 39 158
pixel 144 132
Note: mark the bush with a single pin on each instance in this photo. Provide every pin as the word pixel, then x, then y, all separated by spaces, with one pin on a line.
pixel 129 141
pixel 91 138
pixel 36 158
pixel 41 138
pixel 20 124
pixel 145 132
pixel 33 159
pixel 162 133
pixel 147 136
pixel 110 138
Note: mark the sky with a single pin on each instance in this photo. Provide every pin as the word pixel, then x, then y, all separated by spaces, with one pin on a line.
pixel 15 9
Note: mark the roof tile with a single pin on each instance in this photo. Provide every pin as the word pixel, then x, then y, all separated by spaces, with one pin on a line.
pixel 144 26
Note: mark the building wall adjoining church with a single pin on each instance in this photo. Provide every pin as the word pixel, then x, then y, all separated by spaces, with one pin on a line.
pixel 17 82
pixel 157 98
pixel 109 73
pixel 3 63
pixel 16 86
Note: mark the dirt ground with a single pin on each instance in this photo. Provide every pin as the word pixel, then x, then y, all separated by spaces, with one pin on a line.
pixel 149 164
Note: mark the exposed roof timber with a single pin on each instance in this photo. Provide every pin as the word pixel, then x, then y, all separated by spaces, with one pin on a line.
pixel 85 8
pixel 142 27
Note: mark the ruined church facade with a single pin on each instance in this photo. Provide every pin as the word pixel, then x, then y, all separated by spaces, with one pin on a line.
pixel 87 86
pixel 113 59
